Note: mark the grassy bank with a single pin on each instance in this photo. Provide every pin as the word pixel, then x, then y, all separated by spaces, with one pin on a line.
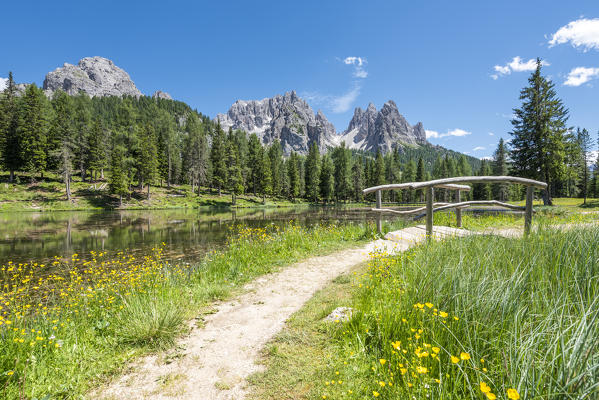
pixel 48 194
pixel 66 325
pixel 470 318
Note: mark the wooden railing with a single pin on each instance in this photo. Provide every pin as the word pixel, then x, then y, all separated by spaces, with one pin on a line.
pixel 455 184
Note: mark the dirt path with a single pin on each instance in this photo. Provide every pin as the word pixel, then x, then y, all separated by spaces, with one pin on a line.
pixel 215 360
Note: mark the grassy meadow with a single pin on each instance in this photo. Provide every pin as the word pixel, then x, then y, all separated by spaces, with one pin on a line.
pixel 481 317
pixel 71 323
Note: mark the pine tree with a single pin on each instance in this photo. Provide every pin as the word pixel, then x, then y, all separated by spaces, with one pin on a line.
pixel 326 179
pixel 255 154
pixel 358 179
pixel 293 173
pixel 96 144
pixel 11 143
pixel 234 176
pixel 264 175
pixel 118 182
pixel 538 144
pixel 312 173
pixel 218 159
pixel 500 191
pixel 409 175
pixel 341 162
pixel 584 143
pixel 33 130
pixel 82 121
pixel 275 154
pixel 483 191
pixel 147 162
pixel 60 143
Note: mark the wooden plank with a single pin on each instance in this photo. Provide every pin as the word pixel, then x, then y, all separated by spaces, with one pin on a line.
pixel 458 211
pixel 399 186
pixel 379 221
pixel 430 194
pixel 479 202
pixel 528 212
pixel 479 179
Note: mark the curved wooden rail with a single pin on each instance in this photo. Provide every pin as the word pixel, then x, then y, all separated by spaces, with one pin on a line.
pixel 398 186
pixel 478 179
pixel 454 184
pixel 412 211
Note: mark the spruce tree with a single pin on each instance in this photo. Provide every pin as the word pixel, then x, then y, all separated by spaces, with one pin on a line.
pixel 539 126
pixel 82 120
pixel 358 179
pixel 327 183
pixel 584 144
pixel 118 181
pixel 255 154
pixel 293 173
pixel 341 162
pixel 147 161
pixel 218 159
pixel 264 175
pixel 500 168
pixel 312 173
pixel 420 176
pixel 96 144
pixel 32 131
pixel 234 176
pixel 60 143
pixel 275 154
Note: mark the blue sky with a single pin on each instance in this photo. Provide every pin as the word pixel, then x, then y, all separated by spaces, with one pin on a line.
pixel 437 59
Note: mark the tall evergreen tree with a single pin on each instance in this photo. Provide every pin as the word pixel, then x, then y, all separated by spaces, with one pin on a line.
pixel 539 125
pixel 293 174
pixel 312 176
pixel 234 175
pixel 584 143
pixel 358 179
pixel 32 130
pixel 264 175
pixel 97 148
pixel 60 142
pixel 11 144
pixel 147 163
pixel 327 182
pixel 255 155
pixel 275 154
pixel 218 159
pixel 420 176
pixel 82 120
pixel 500 168
pixel 118 181
pixel 341 162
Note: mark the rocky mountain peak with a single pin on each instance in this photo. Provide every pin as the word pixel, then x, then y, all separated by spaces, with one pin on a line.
pixel 287 118
pixel 383 130
pixel 96 76
pixel 159 94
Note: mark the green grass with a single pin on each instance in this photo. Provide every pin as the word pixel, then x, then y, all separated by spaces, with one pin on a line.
pixel 528 308
pixel 48 194
pixel 84 321
pixel 519 314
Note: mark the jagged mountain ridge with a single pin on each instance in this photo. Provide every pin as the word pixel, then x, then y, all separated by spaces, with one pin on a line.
pixel 384 130
pixel 287 118
pixel 290 119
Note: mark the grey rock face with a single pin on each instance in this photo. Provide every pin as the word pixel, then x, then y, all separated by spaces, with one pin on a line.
pixel 286 118
pixel 96 76
pixel 384 130
pixel 159 94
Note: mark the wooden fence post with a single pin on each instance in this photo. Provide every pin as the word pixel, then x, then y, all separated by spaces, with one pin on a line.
pixel 430 194
pixel 379 205
pixel 528 211
pixel 458 211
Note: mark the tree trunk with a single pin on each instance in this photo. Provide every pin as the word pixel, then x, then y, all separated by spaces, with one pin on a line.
pixel 263 199
pixel 219 192
pixel 11 179
pixel 148 191
pixel 199 194
pixel 120 201
pixel 102 173
pixel 233 198
pixel 67 184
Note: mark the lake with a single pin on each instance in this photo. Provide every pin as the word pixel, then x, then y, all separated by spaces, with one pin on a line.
pixel 188 233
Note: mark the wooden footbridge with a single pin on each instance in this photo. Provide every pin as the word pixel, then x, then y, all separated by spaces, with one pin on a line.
pixel 458 184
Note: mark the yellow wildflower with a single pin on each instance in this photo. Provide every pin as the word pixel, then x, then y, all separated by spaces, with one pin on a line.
pixel 464 356
pixel 455 360
pixel 513 394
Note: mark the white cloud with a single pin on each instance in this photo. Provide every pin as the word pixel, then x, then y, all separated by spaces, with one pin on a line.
pixel 488 158
pixel 341 104
pixel 580 33
pixel 358 63
pixel 3 83
pixel 336 103
pixel 491 134
pixel 478 148
pixel 454 132
pixel 579 75
pixel 516 65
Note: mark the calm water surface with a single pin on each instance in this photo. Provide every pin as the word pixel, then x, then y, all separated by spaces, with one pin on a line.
pixel 188 234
